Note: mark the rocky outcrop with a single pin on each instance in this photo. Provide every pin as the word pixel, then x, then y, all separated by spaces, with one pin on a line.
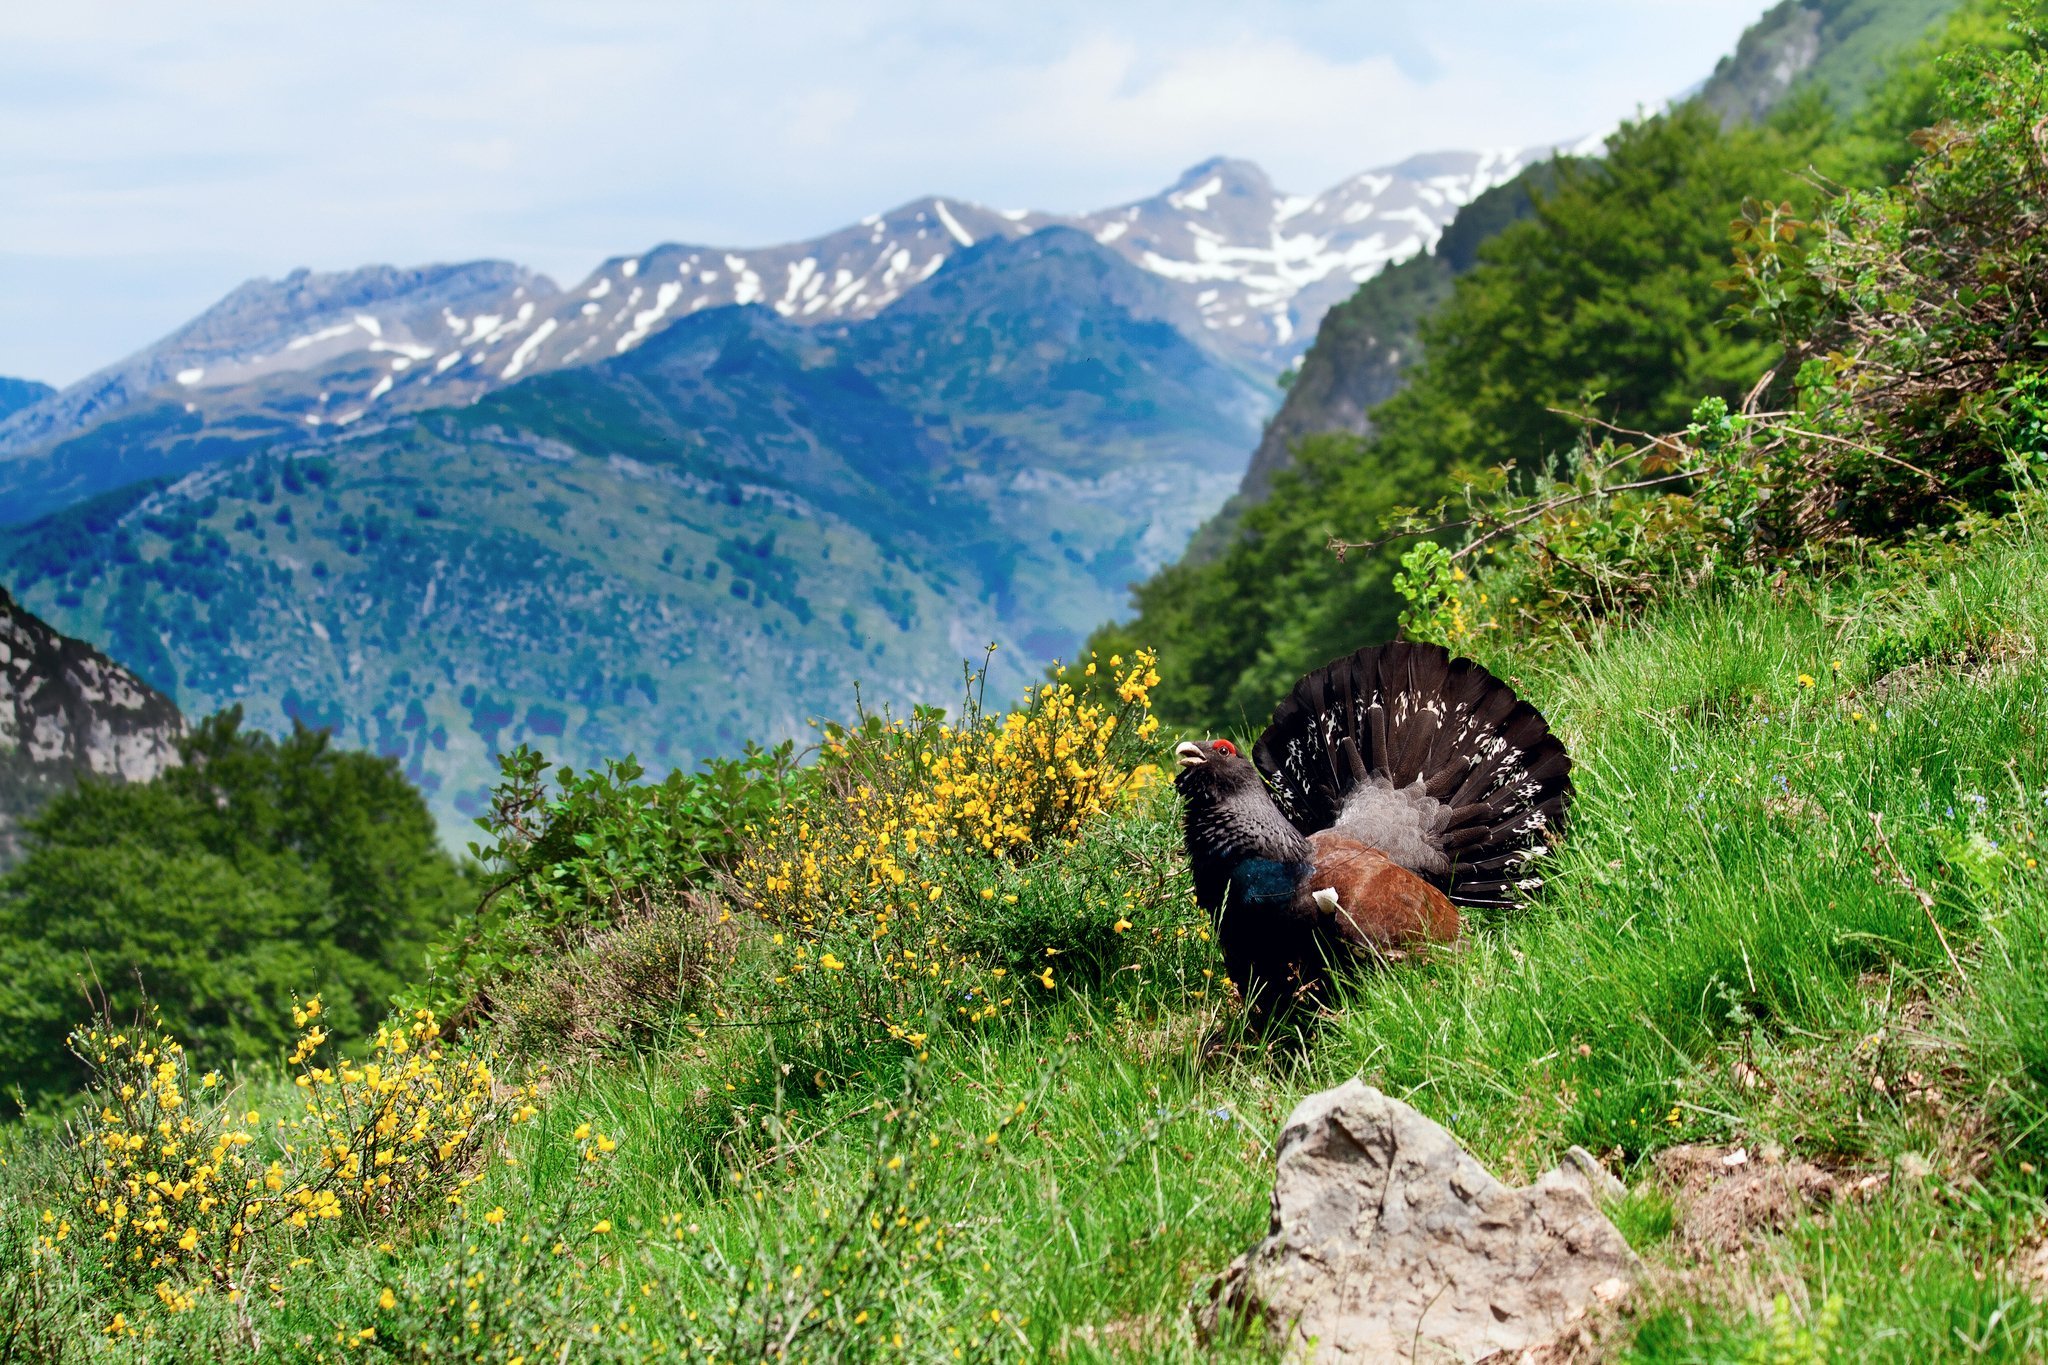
pixel 66 712
pixel 1389 1243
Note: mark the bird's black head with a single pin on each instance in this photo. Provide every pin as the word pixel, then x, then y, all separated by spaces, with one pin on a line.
pixel 1213 770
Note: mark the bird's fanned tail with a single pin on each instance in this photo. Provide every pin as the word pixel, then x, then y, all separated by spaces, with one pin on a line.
pixel 1430 758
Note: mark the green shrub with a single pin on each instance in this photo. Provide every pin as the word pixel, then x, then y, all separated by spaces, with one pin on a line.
pixel 593 850
pixel 620 987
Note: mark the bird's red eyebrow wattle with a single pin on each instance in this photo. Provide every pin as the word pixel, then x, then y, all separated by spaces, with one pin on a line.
pixel 1223 746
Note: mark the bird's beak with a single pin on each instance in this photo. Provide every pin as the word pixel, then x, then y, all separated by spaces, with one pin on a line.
pixel 1190 754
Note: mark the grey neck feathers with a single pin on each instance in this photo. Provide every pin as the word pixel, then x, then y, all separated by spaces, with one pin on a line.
pixel 1244 824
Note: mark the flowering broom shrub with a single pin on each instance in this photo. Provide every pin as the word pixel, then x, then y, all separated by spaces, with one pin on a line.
pixel 893 881
pixel 543 1284
pixel 173 1185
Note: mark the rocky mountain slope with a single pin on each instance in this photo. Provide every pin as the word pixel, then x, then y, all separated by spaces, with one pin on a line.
pixel 16 394
pixel 299 360
pixel 708 538
pixel 67 711
pixel 1837 46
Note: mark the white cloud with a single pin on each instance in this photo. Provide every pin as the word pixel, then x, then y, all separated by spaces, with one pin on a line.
pixel 243 137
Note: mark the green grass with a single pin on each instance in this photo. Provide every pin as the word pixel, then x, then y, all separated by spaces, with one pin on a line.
pixel 1728 952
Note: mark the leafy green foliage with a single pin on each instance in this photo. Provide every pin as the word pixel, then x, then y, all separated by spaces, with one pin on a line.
pixel 1912 319
pixel 1602 301
pixel 593 852
pixel 257 870
pixel 1596 317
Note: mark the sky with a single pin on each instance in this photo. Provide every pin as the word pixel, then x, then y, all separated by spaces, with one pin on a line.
pixel 152 156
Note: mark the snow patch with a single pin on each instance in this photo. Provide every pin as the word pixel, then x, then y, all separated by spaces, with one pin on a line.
pixel 1198 197
pixel 643 321
pixel 600 289
pixel 192 376
pixel 960 234
pixel 532 344
pixel 324 334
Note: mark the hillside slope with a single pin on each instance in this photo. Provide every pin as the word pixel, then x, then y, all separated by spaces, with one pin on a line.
pixel 1797 917
pixel 1838 47
pixel 1361 353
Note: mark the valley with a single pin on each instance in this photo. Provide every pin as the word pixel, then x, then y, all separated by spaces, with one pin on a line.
pixel 702 497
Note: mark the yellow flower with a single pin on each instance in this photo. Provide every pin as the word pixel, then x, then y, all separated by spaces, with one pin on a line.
pixel 1045 978
pixel 1806 679
pixel 495 1216
pixel 387 1300
pixel 601 1226
pixel 1122 926
pixel 830 963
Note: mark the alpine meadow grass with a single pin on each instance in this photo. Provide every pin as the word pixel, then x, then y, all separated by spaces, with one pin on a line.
pixel 1799 906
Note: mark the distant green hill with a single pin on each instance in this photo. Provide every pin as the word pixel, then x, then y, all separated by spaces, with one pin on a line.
pixel 707 540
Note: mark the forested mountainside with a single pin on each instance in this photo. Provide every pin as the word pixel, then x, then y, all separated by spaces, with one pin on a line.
pixel 66 712
pixel 1601 304
pixel 706 540
pixel 1365 345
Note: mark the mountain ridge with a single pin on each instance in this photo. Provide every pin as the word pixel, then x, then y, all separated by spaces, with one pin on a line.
pixel 711 537
pixel 299 360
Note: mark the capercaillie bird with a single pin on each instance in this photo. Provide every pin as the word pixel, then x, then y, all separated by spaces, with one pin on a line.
pixel 1392 786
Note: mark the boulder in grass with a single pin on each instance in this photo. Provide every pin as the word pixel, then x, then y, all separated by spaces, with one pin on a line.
pixel 1388 1242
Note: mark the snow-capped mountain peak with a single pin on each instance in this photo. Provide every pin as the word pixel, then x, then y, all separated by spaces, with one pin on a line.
pixel 1258 266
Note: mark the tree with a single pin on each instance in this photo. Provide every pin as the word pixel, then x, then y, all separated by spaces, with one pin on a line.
pixel 258 870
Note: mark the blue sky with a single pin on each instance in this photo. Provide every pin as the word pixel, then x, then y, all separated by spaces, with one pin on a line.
pixel 154 156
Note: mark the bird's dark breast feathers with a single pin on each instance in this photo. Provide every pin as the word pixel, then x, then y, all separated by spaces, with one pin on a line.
pixel 1266 880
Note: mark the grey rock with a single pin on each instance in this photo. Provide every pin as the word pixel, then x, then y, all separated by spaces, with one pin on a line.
pixel 1582 1166
pixel 1389 1243
pixel 66 712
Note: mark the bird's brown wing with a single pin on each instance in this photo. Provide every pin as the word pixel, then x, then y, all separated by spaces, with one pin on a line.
pixel 1380 905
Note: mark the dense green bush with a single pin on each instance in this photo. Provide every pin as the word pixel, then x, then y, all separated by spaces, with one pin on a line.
pixel 1914 408
pixel 584 934
pixel 256 870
